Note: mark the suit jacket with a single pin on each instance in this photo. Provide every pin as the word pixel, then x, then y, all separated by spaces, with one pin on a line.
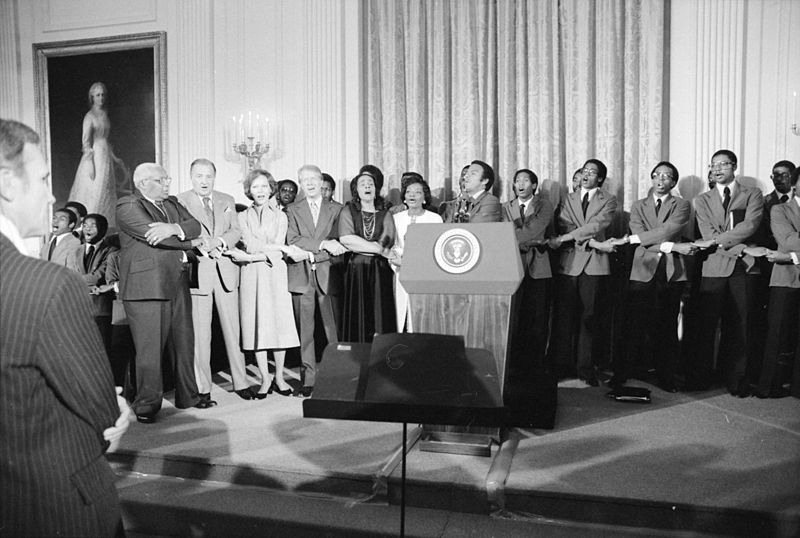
pixel 304 234
pixel 56 398
pixel 94 274
pixel 654 230
pixel 151 272
pixel 538 218
pixel 485 208
pixel 785 222
pixel 578 257
pixel 62 251
pixel 746 208
pixel 225 225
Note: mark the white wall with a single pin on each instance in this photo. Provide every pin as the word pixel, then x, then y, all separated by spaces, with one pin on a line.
pixel 733 67
pixel 296 62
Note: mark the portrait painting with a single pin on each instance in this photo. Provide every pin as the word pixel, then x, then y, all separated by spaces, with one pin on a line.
pixel 101 110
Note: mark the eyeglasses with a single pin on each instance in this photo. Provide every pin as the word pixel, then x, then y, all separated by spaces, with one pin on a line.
pixel 662 175
pixel 720 165
pixel 779 176
pixel 162 180
pixel 589 172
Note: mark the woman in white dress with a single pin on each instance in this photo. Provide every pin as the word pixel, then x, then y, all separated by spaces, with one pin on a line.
pixel 266 313
pixel 95 184
pixel 416 194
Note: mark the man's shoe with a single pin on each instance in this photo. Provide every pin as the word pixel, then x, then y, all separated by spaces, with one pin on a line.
pixel 206 398
pixel 146 418
pixel 304 392
pixel 591 381
pixel 245 394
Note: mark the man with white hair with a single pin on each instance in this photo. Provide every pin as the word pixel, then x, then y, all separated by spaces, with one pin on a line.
pixel 155 231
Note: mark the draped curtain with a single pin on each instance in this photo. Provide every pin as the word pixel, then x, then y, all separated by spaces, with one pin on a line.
pixel 540 84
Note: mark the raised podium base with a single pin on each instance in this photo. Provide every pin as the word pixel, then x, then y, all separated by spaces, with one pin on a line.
pixel 466 443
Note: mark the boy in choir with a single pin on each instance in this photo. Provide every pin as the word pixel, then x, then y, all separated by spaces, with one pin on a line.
pixel 62 243
pixel 217 282
pixel 583 218
pixel 658 277
pixel 532 216
pixel 728 217
pixel 328 188
pixel 314 228
pixel 80 212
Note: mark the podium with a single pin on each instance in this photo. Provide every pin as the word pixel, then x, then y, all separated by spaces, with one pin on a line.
pixel 461 279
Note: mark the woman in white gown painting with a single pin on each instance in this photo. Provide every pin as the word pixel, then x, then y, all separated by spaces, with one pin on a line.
pixel 95 184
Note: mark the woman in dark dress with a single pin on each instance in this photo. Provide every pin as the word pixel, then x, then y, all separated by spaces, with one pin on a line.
pixel 366 228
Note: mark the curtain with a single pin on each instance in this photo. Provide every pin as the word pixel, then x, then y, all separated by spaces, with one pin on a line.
pixel 539 84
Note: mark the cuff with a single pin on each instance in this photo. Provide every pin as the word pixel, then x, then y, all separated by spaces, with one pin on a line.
pixel 116 287
pixel 634 239
pixel 666 247
pixel 224 243
pixel 181 235
pixel 795 258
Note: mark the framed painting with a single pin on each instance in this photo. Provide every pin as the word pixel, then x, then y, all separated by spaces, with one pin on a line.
pixel 101 108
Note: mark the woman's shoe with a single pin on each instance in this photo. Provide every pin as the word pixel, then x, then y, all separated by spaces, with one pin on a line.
pixel 260 395
pixel 274 388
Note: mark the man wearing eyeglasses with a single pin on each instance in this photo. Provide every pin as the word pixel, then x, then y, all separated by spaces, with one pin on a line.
pixel 156 231
pixel 728 217
pixel 583 218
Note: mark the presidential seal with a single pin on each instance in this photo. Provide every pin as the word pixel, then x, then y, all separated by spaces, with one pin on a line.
pixel 457 251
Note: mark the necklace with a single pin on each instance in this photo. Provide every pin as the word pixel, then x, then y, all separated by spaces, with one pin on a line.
pixel 368 221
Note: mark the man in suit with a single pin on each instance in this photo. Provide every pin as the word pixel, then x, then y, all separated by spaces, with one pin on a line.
pixel 58 410
pixel 658 277
pixel 62 242
pixel 583 218
pixel 314 228
pixel 217 278
pixel 481 205
pixel 784 298
pixel 156 231
pixel 728 217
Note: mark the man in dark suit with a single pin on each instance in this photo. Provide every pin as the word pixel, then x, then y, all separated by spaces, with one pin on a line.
pixel 657 280
pixel 58 411
pixel 728 216
pixel 217 278
pixel 583 218
pixel 155 233
pixel 314 228
pixel 481 205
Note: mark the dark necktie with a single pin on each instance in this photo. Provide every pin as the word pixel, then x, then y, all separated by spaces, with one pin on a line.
pixel 522 213
pixel 53 243
pixel 726 198
pixel 585 203
pixel 784 198
pixel 658 205
pixel 87 258
pixel 163 208
pixel 209 210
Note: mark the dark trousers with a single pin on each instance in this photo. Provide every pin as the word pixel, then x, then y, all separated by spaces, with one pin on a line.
pixel 730 300
pixel 155 324
pixel 531 327
pixel 784 308
pixel 305 308
pixel 575 323
pixel 653 319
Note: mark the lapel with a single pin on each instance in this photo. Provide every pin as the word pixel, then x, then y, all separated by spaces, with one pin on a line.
pixel 574 202
pixel 304 214
pixel 595 203
pixel 151 209
pixel 794 212
pixel 477 201
pixel 198 211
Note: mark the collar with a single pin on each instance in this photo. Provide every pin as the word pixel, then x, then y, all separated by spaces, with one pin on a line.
pixel 591 192
pixel 731 186
pixel 525 202
pixel 318 201
pixel 210 196
pixel 477 195
pixel 662 198
pixel 796 199
pixel 10 230
pixel 150 199
pixel 59 238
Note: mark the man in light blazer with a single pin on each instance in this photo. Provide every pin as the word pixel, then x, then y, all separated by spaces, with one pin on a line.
pixel 62 243
pixel 314 228
pixel 784 297
pixel 482 205
pixel 728 217
pixel 657 280
pixel 58 410
pixel 217 278
pixel 583 218
pixel 155 233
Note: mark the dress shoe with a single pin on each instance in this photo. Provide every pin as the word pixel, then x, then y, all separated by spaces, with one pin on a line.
pixel 742 389
pixel 146 418
pixel 304 392
pixel 206 398
pixel 274 388
pixel 245 394
pixel 591 381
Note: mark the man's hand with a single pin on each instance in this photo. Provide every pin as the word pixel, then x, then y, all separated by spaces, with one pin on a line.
pixel 333 247
pixel 704 244
pixel 238 255
pixel 606 246
pixel 161 230
pixel 115 432
pixel 295 253
pixel 686 249
pixel 778 257
pixel 756 252
pixel 617 242
pixel 554 242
